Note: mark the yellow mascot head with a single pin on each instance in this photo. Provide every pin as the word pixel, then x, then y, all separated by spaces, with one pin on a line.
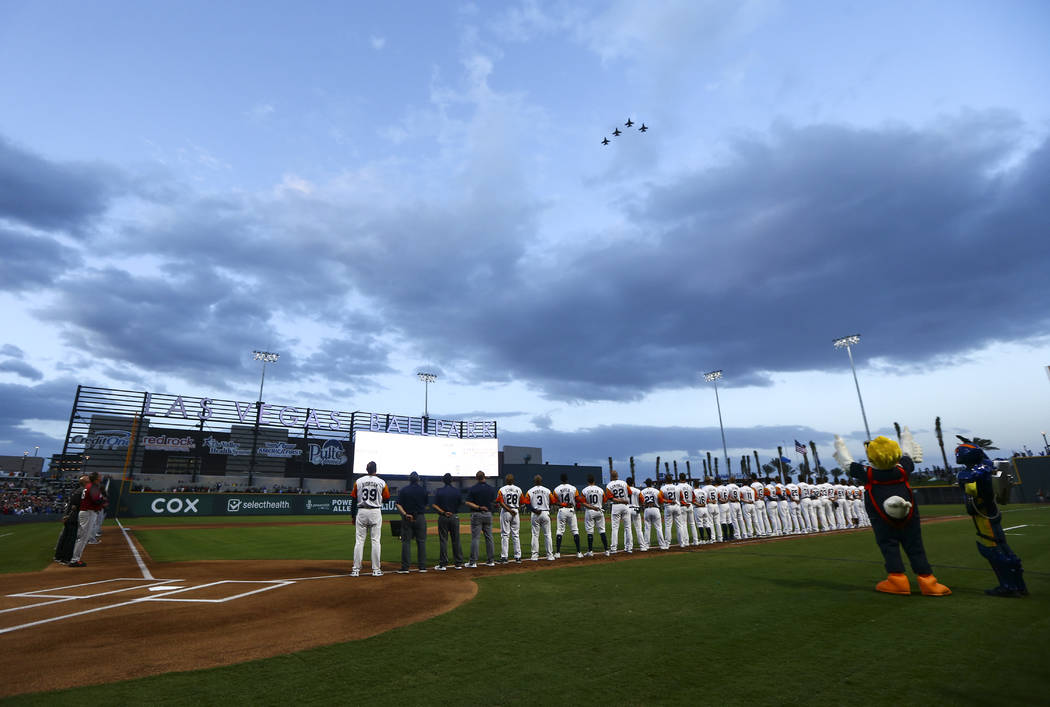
pixel 883 453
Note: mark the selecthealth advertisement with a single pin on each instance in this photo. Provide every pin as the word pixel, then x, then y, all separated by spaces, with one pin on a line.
pixel 205 504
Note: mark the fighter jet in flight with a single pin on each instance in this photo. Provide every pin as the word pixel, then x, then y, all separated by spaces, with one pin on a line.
pixel 605 141
pixel 629 123
pixel 616 133
pixel 643 128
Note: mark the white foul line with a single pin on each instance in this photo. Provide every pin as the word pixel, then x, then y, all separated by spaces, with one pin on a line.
pixel 5 535
pixel 1015 527
pixel 134 551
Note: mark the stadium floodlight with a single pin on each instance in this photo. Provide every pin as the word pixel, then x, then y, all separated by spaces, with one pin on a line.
pixel 713 377
pixel 847 342
pixel 266 357
pixel 427 379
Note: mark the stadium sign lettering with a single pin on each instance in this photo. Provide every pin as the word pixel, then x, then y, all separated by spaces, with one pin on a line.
pixel 188 407
pixel 174 505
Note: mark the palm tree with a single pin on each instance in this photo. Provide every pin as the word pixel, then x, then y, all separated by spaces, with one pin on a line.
pixel 758 464
pixel 657 468
pixel 632 467
pixel 675 468
pixel 940 441
pixel 688 469
pixel 716 467
pixel 707 470
pixel 780 463
pixel 816 457
pixel 897 427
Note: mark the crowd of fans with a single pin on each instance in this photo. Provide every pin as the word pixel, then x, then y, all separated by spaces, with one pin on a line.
pixel 22 496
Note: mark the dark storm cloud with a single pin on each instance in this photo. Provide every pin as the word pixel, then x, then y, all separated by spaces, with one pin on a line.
pixel 52 400
pixel 21 368
pixel 52 195
pixel 196 323
pixel 32 262
pixel 920 240
pixel 928 242
pixel 624 441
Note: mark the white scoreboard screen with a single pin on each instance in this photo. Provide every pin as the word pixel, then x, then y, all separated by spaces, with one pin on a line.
pixel 400 455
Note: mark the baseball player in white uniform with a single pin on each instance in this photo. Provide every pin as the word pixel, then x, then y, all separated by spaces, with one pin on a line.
pixel 701 518
pixel 772 497
pixel 762 524
pixel 843 509
pixel 539 498
pixel 712 511
pixel 671 508
pixel 736 515
pixel 508 498
pixel 686 523
pixel 724 515
pixel 826 505
pixel 618 492
pixel 747 511
pixel 370 492
pixel 809 502
pixel 651 499
pixel 636 509
pixel 793 492
pixel 593 516
pixel 566 496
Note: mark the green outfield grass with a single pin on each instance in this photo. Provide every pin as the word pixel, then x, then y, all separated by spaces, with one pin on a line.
pixel 794 622
pixel 30 546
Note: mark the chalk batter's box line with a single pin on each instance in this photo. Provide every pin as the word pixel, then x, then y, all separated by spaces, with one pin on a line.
pixel 274 584
pixel 40 593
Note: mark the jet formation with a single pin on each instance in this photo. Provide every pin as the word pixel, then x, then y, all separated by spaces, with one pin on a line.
pixel 617 132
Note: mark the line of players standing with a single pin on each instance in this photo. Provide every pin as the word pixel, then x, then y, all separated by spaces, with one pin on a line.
pixel 697 513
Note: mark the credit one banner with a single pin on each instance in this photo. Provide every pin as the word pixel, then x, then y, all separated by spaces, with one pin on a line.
pixel 148 504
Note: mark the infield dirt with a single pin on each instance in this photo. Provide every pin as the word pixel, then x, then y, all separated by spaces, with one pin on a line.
pixel 147 637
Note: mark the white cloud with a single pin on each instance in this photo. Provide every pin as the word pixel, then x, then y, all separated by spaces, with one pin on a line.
pixel 378 43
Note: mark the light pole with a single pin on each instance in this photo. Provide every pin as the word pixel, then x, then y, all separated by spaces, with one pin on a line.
pixel 712 378
pixel 427 379
pixel 1046 445
pixel 24 455
pixel 266 357
pixel 846 342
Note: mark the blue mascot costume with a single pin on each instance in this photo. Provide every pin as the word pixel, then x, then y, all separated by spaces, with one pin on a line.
pixel 978 481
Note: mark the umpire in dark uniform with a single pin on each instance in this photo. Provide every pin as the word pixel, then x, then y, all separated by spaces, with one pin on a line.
pixel 412 504
pixel 447 500
pixel 480 499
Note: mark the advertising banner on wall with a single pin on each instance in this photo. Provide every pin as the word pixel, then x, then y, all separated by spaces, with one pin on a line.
pixel 148 504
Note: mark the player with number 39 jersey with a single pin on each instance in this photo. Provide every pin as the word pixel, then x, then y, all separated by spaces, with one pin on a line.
pixel 370 492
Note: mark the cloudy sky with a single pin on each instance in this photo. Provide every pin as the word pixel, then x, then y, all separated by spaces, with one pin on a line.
pixel 375 189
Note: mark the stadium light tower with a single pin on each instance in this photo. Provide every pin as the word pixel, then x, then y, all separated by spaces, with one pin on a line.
pixel 266 357
pixel 712 378
pixel 427 379
pixel 847 342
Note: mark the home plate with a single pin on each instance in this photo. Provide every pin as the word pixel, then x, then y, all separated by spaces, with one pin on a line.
pixel 163 588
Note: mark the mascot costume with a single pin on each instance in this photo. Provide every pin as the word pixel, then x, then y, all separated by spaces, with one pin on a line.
pixel 985 488
pixel 895 517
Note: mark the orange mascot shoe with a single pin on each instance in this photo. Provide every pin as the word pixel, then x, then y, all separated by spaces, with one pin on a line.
pixel 931 587
pixel 895 584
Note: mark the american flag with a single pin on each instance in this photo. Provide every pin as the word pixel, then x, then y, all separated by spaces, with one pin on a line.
pixel 800 448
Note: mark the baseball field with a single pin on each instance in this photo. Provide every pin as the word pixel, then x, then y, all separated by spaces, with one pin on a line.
pixel 261 610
